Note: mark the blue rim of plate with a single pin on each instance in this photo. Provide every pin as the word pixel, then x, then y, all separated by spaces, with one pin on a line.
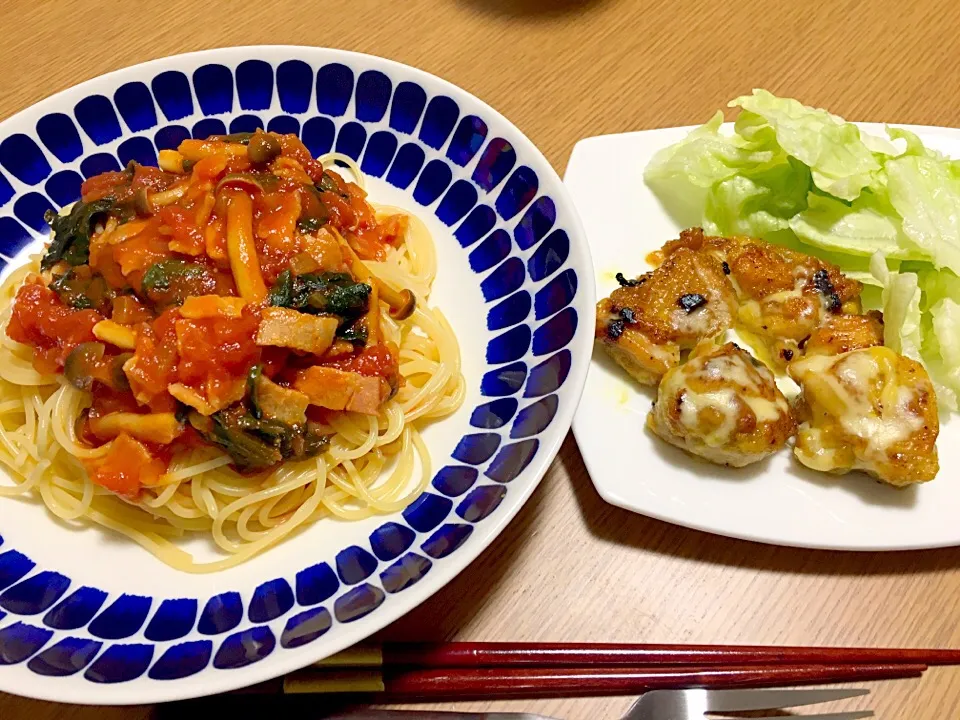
pixel 127 648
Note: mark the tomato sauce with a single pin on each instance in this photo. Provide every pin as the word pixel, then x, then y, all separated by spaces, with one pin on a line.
pixel 165 237
pixel 376 360
pixel 40 319
pixel 216 349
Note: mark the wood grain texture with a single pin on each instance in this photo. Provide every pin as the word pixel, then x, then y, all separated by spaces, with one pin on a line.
pixel 571 567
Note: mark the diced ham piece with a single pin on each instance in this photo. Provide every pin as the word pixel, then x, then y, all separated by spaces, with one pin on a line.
pixel 287 328
pixel 280 403
pixel 340 390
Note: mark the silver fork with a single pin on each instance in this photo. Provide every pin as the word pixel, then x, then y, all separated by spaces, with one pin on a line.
pixel 666 705
pixel 695 704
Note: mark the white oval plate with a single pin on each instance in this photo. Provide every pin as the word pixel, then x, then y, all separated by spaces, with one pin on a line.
pixel 777 501
pixel 86 616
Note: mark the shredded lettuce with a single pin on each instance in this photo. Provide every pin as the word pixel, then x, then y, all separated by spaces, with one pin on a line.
pixel 886 210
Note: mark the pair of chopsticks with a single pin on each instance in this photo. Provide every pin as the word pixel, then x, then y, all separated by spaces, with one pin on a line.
pixel 444 671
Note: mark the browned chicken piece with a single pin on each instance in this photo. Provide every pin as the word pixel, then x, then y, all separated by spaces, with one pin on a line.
pixel 784 296
pixel 722 405
pixel 647 321
pixel 869 409
pixel 843 333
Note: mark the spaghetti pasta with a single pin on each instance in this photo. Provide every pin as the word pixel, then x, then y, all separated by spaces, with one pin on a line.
pixel 369 463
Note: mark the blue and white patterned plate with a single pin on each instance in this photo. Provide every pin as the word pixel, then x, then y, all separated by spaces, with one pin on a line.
pixel 89 617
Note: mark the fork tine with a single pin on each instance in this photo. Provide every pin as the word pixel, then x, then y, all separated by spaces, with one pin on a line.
pixel 740 700
pixel 856 715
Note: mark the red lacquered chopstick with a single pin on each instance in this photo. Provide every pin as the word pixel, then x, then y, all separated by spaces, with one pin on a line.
pixel 498 683
pixel 469 654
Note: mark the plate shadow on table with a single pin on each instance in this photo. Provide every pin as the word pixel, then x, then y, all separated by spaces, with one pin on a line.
pixel 528 8
pixel 616 525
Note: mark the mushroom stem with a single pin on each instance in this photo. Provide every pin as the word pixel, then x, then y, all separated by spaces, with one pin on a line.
pixel 401 303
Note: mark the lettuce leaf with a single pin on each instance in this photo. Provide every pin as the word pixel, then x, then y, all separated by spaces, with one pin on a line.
pixel 759 203
pixel 944 350
pixel 863 227
pixel 682 174
pixel 901 308
pixel 913 144
pixel 707 156
pixel 931 338
pixel 840 162
pixel 924 192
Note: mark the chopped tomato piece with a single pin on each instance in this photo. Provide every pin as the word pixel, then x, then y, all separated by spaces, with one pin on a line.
pixel 127 310
pixel 216 348
pixel 106 401
pixel 126 468
pixel 124 185
pixel 379 360
pixel 275 219
pixel 154 362
pixel 99 186
pixel 342 213
pixel 41 320
pixel 152 179
pixel 292 147
pixel 274 360
pixel 368 245
pixel 102 260
pixel 141 252
pixel 187 237
pixel 392 230
pixel 210 167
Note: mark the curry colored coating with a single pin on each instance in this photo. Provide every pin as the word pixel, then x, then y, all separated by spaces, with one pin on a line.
pixel 647 321
pixel 869 409
pixel 761 268
pixel 843 333
pixel 706 285
pixel 783 295
pixel 722 405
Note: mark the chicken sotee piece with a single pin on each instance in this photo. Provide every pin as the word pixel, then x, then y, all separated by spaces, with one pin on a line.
pixel 722 405
pixel 783 296
pixel 843 333
pixel 870 410
pixel 778 298
pixel 647 321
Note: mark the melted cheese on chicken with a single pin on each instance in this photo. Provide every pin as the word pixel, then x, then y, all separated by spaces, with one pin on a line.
pixel 869 409
pixel 723 406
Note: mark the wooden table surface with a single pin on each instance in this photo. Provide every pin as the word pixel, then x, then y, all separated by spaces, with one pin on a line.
pixel 571 567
